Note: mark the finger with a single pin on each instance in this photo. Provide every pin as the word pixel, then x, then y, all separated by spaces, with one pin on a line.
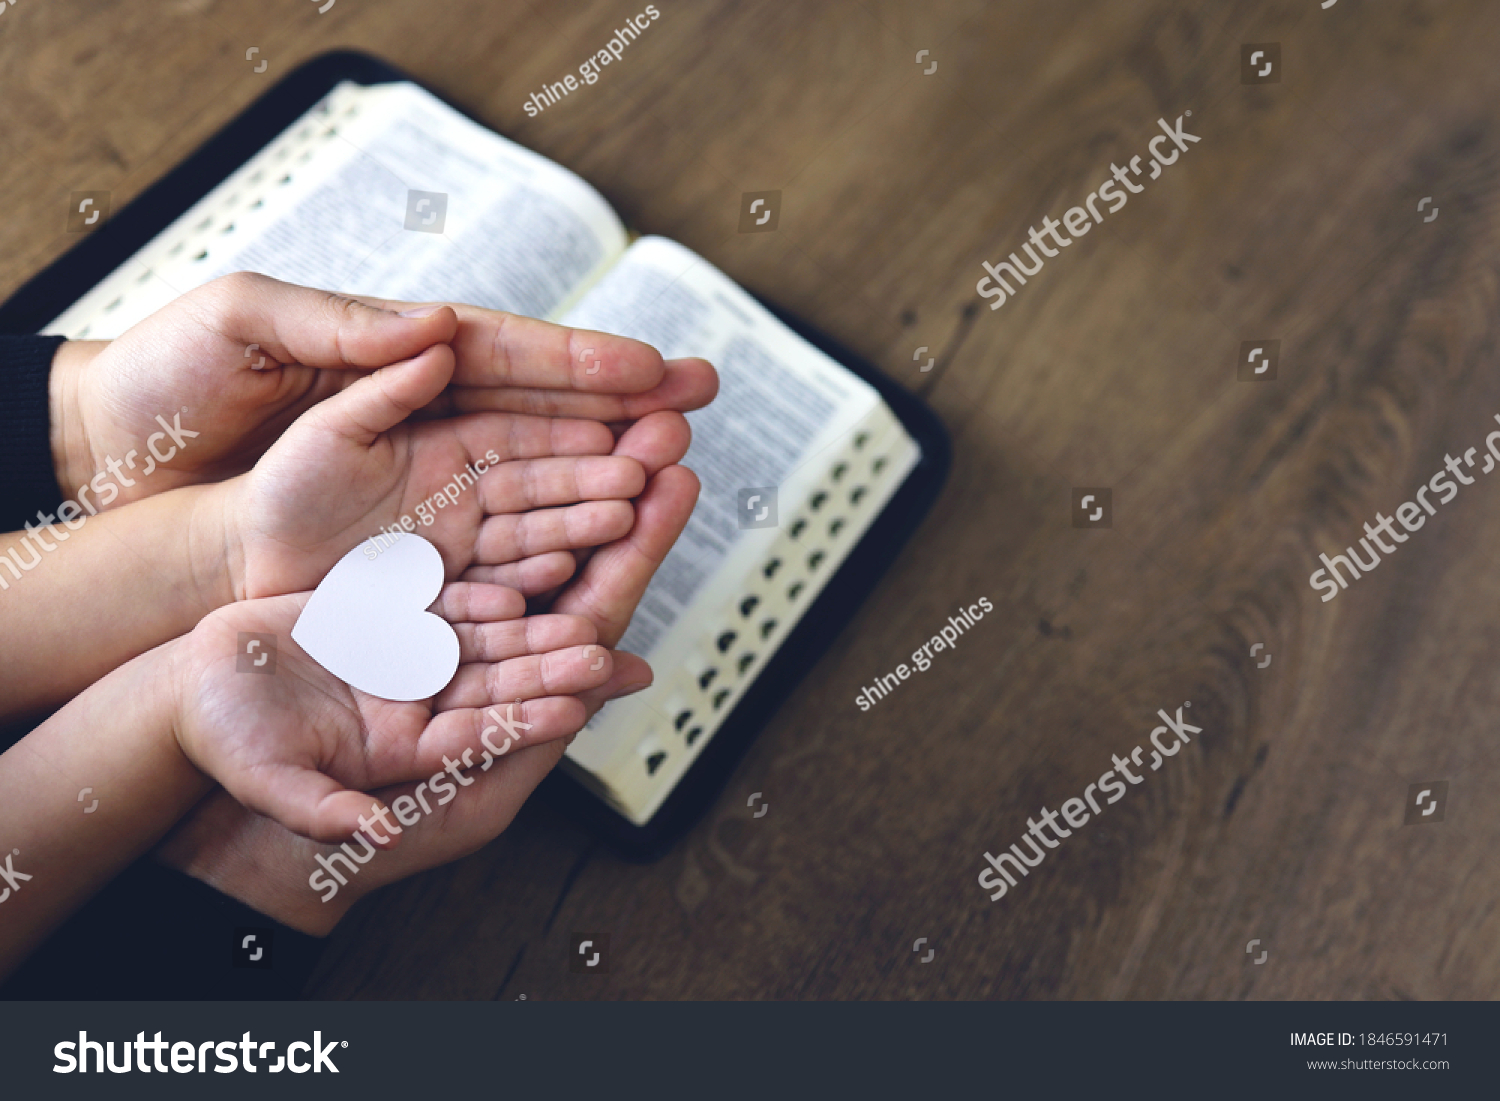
pixel 464 825
pixel 303 800
pixel 537 634
pixel 511 537
pixel 528 576
pixel 537 483
pixel 473 739
pixel 505 349
pixel 612 583
pixel 518 436
pixel 686 384
pixel 631 675
pixel 317 328
pixel 463 603
pixel 656 441
pixel 379 402
pixel 556 673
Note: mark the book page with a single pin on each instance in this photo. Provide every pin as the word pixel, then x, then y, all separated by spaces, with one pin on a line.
pixel 383 191
pixel 780 403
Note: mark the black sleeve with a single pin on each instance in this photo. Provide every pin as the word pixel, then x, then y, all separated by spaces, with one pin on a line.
pixel 28 482
pixel 155 934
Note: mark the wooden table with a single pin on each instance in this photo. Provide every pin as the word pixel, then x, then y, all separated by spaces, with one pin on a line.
pixel 1296 218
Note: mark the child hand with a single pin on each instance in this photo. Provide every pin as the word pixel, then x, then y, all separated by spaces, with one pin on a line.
pixel 300 746
pixel 357 463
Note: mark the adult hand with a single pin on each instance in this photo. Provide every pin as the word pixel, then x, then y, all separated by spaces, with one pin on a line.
pixel 355 463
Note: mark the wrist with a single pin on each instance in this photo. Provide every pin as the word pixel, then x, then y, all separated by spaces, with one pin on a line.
pixel 174 668
pixel 257 862
pixel 140 704
pixel 215 544
pixel 238 853
pixel 72 457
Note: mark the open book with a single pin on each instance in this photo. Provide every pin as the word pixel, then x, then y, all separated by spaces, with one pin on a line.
pixel 797 456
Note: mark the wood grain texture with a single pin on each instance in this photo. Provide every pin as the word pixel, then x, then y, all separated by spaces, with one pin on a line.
pixel 1294 219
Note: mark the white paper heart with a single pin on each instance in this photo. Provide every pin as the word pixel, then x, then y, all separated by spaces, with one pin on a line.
pixel 367 622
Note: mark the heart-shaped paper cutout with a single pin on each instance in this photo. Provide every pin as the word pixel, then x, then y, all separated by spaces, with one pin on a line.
pixel 367 622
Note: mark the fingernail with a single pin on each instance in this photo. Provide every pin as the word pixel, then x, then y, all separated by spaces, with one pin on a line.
pixel 630 690
pixel 421 311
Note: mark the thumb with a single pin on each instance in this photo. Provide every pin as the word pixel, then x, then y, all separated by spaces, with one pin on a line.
pixel 316 328
pixel 377 403
pixel 309 802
